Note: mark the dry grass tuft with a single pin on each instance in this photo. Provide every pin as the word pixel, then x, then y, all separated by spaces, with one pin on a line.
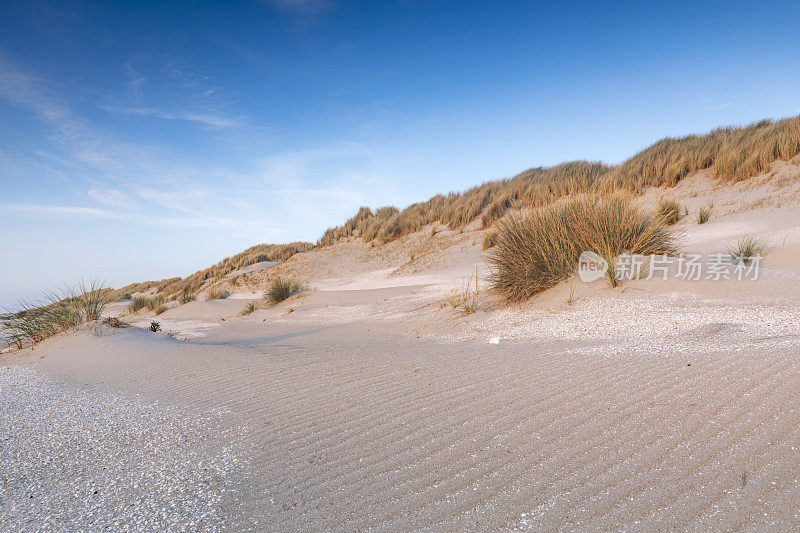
pixel 468 298
pixel 155 303
pixel 186 298
pixel 536 251
pixel 281 289
pixel 114 322
pixel 216 293
pixel 137 303
pixel 669 210
pixel 704 215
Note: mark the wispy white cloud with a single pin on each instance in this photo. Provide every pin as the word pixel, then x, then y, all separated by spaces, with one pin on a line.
pixel 203 117
pixel 215 222
pixel 720 106
pixel 111 197
pixel 135 81
pixel 305 8
pixel 57 210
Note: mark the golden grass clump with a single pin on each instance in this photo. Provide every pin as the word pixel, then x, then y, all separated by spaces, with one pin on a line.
pixel 669 210
pixel 536 251
pixel 468 299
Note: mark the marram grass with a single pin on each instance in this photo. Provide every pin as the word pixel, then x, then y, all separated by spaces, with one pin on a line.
pixel 538 250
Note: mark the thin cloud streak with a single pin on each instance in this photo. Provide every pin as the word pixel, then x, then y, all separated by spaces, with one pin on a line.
pixel 306 8
pixel 209 119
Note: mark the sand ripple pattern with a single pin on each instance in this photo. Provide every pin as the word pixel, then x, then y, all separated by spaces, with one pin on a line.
pixel 349 430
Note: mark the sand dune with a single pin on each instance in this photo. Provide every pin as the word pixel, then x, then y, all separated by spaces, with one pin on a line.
pixel 364 403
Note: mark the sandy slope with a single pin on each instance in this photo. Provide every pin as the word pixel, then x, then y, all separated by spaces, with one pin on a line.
pixel 364 403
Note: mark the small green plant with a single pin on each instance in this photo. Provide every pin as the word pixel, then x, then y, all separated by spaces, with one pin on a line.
pixel 186 298
pixel 248 309
pixel 125 297
pixel 669 210
pixel 746 249
pixel 704 214
pixel 281 288
pixel 154 326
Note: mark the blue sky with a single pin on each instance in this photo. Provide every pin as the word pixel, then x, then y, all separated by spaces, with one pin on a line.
pixel 140 140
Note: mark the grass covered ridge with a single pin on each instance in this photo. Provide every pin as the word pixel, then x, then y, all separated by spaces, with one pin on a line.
pixel 173 288
pixel 540 249
pixel 736 153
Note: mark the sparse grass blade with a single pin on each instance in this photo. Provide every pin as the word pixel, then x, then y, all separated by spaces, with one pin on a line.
pixel 747 249
pixel 704 215
pixel 58 311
